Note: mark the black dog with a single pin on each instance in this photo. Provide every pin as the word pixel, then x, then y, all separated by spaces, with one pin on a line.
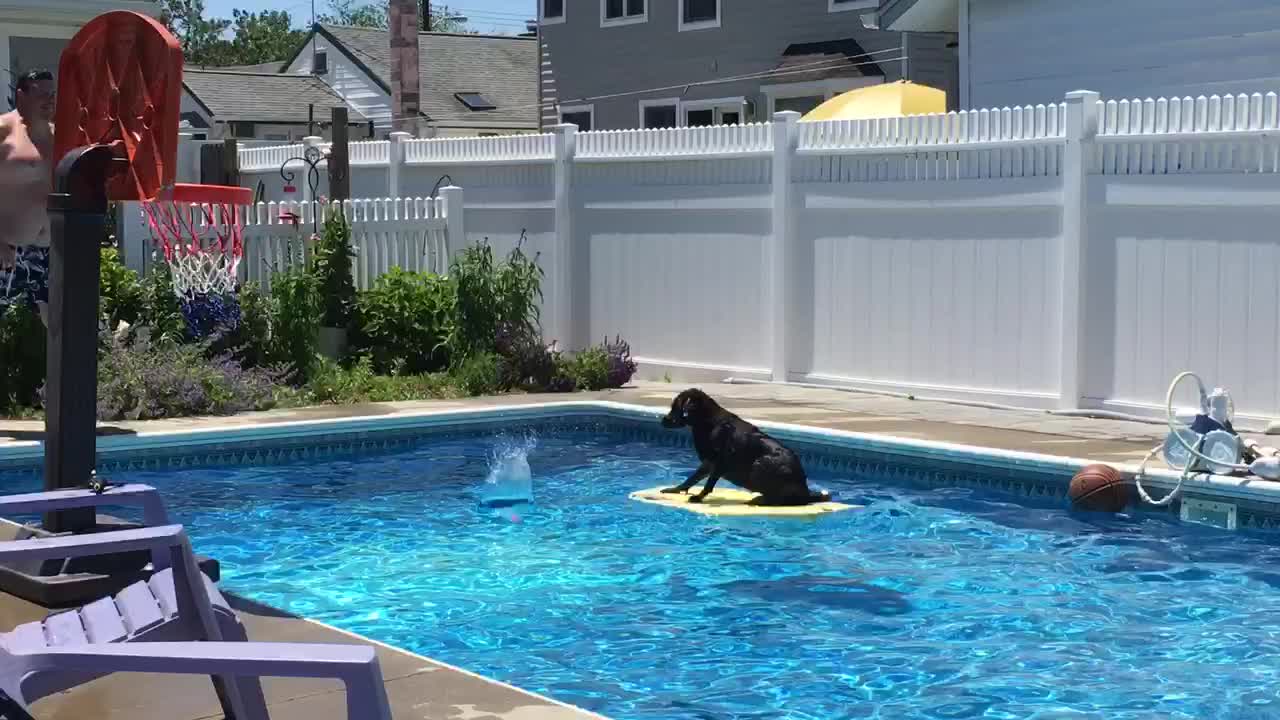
pixel 734 449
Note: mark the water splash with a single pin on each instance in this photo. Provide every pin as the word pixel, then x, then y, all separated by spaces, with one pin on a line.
pixel 509 485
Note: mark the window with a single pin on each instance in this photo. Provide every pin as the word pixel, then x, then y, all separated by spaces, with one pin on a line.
pixel 842 5
pixel 475 101
pixel 583 116
pixel 243 129
pixel 699 14
pixel 623 12
pixel 320 65
pixel 552 11
pixel 722 111
pixel 659 113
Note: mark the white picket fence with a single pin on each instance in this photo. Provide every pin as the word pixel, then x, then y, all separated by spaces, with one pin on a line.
pixel 412 233
pixel 1075 254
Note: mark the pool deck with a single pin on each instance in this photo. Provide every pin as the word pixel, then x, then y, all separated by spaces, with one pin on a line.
pixel 422 689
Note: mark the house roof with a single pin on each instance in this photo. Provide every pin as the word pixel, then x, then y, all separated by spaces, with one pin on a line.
pixel 502 68
pixel 233 96
pixel 919 15
pixel 806 62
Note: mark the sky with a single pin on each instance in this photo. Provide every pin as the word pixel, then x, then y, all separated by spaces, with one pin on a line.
pixel 500 16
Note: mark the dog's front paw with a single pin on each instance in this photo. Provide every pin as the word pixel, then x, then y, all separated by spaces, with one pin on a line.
pixel 695 498
pixel 672 490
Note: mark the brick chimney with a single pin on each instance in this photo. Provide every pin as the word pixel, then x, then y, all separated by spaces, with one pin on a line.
pixel 405 105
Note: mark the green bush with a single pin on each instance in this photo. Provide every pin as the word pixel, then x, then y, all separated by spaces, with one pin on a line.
pixel 296 306
pixel 251 345
pixel 161 310
pixel 590 369
pixel 493 298
pixel 22 358
pixel 332 266
pixel 333 384
pixel 404 321
pixel 479 374
pixel 121 291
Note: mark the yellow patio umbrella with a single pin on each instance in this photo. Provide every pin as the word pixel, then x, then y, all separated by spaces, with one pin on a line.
pixel 893 99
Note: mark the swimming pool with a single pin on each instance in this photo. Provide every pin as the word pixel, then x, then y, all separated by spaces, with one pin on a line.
pixel 934 601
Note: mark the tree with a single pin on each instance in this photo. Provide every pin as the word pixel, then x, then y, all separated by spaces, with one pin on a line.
pixel 201 38
pixel 374 15
pixel 262 37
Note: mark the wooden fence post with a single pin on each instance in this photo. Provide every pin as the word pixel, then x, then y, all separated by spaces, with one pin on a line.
pixel 339 156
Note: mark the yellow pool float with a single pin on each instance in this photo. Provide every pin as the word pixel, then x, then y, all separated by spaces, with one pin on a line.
pixel 733 501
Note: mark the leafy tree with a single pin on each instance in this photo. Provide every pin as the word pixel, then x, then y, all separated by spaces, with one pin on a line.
pixel 264 36
pixel 202 38
pixel 375 15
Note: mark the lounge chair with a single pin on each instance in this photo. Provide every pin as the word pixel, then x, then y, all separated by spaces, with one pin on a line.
pixel 62 583
pixel 355 665
pixel 176 603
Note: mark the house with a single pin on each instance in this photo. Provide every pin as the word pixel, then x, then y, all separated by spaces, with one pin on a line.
pixel 33 34
pixel 469 84
pixel 609 64
pixel 1036 51
pixel 225 102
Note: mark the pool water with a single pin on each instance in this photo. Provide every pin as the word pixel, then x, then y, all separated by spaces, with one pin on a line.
pixel 930 603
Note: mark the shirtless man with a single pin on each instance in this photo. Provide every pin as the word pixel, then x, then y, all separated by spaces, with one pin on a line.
pixel 26 151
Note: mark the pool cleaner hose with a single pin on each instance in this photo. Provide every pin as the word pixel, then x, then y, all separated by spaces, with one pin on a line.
pixel 1194 455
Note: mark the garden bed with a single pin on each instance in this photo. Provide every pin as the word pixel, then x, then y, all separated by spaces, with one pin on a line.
pixel 412 336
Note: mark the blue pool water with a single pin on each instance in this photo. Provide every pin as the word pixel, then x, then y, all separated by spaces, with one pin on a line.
pixel 930 603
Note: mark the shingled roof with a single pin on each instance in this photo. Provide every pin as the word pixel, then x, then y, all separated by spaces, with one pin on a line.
pixel 502 68
pixel 234 96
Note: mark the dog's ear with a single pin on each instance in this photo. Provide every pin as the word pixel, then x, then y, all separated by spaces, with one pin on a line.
pixel 690 402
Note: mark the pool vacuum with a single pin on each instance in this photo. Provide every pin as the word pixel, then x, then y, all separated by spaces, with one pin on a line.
pixel 1208 443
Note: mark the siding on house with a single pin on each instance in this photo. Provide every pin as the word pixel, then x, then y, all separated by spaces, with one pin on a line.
pixel 588 61
pixel 1034 51
pixel 347 80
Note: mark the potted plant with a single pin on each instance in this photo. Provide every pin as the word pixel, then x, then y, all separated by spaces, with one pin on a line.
pixel 332 268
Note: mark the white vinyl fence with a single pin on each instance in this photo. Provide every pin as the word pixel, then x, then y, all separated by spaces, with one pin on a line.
pixel 1072 255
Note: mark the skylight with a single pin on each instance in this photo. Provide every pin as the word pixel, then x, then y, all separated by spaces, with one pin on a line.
pixel 475 101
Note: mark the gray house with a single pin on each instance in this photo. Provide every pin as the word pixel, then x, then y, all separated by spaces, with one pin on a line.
pixel 1018 52
pixel 610 64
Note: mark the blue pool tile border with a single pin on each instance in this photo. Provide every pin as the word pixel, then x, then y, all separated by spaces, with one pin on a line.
pixel 934 465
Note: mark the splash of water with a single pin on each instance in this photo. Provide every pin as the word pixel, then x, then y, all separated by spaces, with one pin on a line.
pixel 509 485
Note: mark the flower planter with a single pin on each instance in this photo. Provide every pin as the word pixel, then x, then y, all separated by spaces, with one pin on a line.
pixel 332 342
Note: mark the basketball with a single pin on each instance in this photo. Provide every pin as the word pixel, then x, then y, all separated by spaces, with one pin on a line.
pixel 1098 488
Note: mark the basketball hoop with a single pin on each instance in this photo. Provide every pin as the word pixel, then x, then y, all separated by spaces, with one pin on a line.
pixel 200 228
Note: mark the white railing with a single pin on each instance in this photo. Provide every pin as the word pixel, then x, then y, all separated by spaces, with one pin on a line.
pixel 504 149
pixel 724 140
pixel 1235 133
pixel 370 152
pixel 977 129
pixel 262 158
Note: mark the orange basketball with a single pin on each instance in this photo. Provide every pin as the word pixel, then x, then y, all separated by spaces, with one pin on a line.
pixel 1098 488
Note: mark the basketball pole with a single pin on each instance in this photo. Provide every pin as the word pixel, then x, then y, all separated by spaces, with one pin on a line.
pixel 77 220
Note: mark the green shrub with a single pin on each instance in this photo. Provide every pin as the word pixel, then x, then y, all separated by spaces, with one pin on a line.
pixel 478 374
pixel 22 358
pixel 295 312
pixel 332 383
pixel 251 344
pixel 332 266
pixel 590 369
pixel 161 310
pixel 143 379
pixel 121 290
pixel 492 298
pixel 404 321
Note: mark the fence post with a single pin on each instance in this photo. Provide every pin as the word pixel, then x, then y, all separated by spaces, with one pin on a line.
pixel 779 248
pixel 565 147
pixel 1077 155
pixel 396 163
pixel 455 236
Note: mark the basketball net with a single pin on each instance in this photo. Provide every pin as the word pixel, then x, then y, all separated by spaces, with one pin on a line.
pixel 202 243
